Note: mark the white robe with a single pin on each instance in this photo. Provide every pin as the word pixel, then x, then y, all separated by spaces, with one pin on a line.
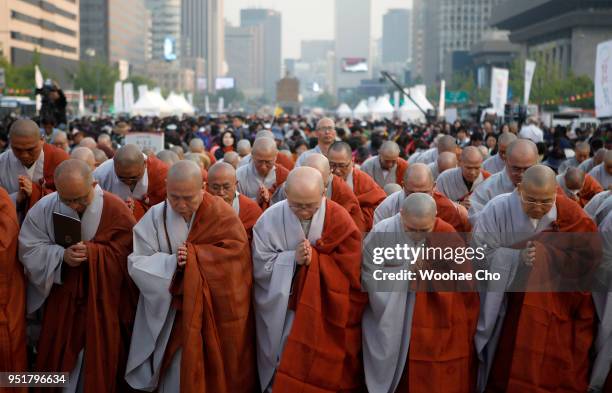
pixel 426 157
pixel 494 164
pixel 302 157
pixel 387 322
pixel 43 259
pixel 502 224
pixel 276 235
pixel 599 206
pixel 495 185
pixel 249 181
pixel 11 168
pixel 600 174
pixel 107 179
pixel 152 266
pixel 451 184
pixel 372 167
pixel 389 207
pixel 567 164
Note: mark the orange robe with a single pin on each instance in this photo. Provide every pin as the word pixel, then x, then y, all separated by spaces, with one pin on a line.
pixel 157 170
pixel 94 307
pixel 450 213
pixel 12 293
pixel 546 337
pixel 214 321
pixel 285 161
pixel 369 194
pixel 53 157
pixel 590 188
pixel 342 195
pixel 281 176
pixel 402 166
pixel 442 340
pixel 323 350
pixel 249 213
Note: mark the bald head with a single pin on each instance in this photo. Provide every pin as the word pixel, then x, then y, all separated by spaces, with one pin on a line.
pixel 264 134
pixel 72 171
pixel 105 140
pixel 168 156
pixel 521 155
pixel 243 147
pixel 471 154
pixel 320 163
pixel 221 170
pixel 342 148
pixel 304 181
pixel 128 156
pixel 185 172
pixel 446 160
pixel 86 155
pixel 232 158
pixel 99 155
pixel 88 142
pixel 24 128
pixel 539 177
pixel 389 149
pixel 504 140
pixel 419 205
pixel 59 137
pixel 447 143
pixel 574 178
pixel 608 158
pixel 184 188
pixel 264 146
pixel 196 145
pixel 179 151
pixel 418 178
pixel 392 188
pixel 471 162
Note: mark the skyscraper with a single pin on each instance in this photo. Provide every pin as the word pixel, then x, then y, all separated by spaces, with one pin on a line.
pixel 397 36
pixel 244 53
pixel 352 33
pixel 270 21
pixel 115 30
pixel 165 29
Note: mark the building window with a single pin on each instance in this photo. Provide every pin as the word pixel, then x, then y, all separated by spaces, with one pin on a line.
pixel 42 23
pixel 45 43
pixel 49 7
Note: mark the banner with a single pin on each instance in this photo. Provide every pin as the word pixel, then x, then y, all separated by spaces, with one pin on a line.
pixel 456 97
pixel 142 91
pixel 442 107
pixel 603 80
pixel 499 89
pixel 396 101
pixel 38 79
pixel 128 97
pixel 146 140
pixel 118 98
pixel 530 66
pixel 81 103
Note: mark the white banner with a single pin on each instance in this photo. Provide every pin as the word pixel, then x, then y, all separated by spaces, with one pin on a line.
pixel 442 106
pixel 146 140
pixel 603 80
pixel 117 98
pixel 128 97
pixel 221 105
pixel 81 103
pixel 142 91
pixel 207 105
pixel 530 66
pixel 396 101
pixel 38 80
pixel 499 89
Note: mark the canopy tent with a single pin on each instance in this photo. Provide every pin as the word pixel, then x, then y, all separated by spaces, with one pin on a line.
pixel 344 111
pixel 179 105
pixel 382 109
pixel 152 104
pixel 361 111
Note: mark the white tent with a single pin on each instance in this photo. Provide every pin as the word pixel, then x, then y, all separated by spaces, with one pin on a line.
pixel 151 104
pixel 179 105
pixel 344 110
pixel 382 109
pixel 361 111
pixel 410 113
pixel 419 94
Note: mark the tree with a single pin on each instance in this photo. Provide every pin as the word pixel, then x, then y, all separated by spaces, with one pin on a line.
pixel 23 77
pixel 138 80
pixel 96 78
pixel 326 100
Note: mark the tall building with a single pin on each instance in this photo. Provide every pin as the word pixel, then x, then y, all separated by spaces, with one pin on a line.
pixel 244 53
pixel 352 37
pixel 50 28
pixel 203 36
pixel 397 36
pixel 316 50
pixel 270 21
pixel 165 29
pixel 444 31
pixel 560 34
pixel 113 31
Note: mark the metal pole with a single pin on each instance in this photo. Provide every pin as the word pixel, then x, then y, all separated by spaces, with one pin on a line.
pixel 401 88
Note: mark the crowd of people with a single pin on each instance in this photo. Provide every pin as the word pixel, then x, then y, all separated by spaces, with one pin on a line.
pixel 233 259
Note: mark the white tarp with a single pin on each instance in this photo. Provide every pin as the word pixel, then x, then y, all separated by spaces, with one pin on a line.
pixel 361 111
pixel 344 110
pixel 151 104
pixel 603 80
pixel 382 109
pixel 179 105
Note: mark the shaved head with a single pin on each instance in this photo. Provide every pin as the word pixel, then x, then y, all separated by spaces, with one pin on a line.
pixel 222 181
pixel 320 163
pixel 344 148
pixel 185 171
pixel 471 162
pixel 471 154
pixel 539 179
pixel 129 155
pixel 582 151
pixel 392 188
pixel 243 147
pixel 446 160
pixel 184 188
pixel 75 184
pixel 599 155
pixel 304 180
pixel 506 138
pixel 72 170
pixel 264 146
pixel 232 158
pixel 179 151
pixel 389 149
pixel 86 155
pixel 447 143
pixel 520 156
pixel 88 142
pixel 418 178
pixel 264 134
pixel 574 178
pixel 326 121
pixel 196 145
pixel 26 141
pixel 105 139
pixel 24 128
pixel 418 214
pixel 221 169
pixel 99 155
pixel 168 156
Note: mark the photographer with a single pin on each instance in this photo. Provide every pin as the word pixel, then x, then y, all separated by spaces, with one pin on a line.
pixel 53 102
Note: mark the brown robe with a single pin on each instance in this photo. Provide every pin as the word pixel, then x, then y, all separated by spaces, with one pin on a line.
pixel 369 194
pixel 342 195
pixel 249 214
pixel 157 170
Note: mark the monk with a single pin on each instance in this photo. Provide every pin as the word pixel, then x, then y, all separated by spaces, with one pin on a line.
pixel 281 160
pixel 582 151
pixel 285 158
pixel 308 301
pixel 13 288
pixel 578 186
pixel 418 178
pixel 222 183
pixel 590 163
pixel 88 142
pixel 392 188
pixel 599 206
pixel 191 261
pixel 446 143
pixel 387 167
pixel 178 151
pixel 26 170
pixel 521 155
pixel 86 155
pixel 459 183
pixel 88 298
pixel 517 351
pixel 418 342
pixel 368 193
pixel 326 135
pixel 497 162
pixel 260 179
pixel 243 147
pixel 168 156
pixel 196 145
pixel 603 172
pixel 445 161
pixel 232 158
pixel 100 156
pixel 137 179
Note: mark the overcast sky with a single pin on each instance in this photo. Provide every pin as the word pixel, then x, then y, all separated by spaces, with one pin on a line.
pixel 308 19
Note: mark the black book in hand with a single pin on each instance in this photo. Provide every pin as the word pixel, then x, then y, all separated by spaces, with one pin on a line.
pixel 67 230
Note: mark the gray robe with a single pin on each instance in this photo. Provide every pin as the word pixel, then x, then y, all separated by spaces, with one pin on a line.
pixel 302 157
pixel 451 184
pixel 599 206
pixel 587 165
pixel 389 207
pixel 387 323
pixel 494 164
pixel 567 164
pixel 372 167
pixel 152 266
pixel 495 185
pixel 433 167
pixel 246 160
pixel 107 179
pixel 276 235
pixel 600 174
pixel 249 181
pixel 425 157
pixel 42 259
pixel 11 168
pixel 502 224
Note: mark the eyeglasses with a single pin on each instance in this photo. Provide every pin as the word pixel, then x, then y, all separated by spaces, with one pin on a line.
pixel 338 165
pixel 219 187
pixel 538 203
pixel 324 129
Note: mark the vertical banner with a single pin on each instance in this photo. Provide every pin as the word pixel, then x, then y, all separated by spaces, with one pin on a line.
pixel 530 66
pixel 81 103
pixel 142 91
pixel 38 80
pixel 207 104
pixel 442 106
pixel 603 80
pixel 128 97
pixel 117 98
pixel 190 98
pixel 499 89
pixel 396 101
pixel 221 105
